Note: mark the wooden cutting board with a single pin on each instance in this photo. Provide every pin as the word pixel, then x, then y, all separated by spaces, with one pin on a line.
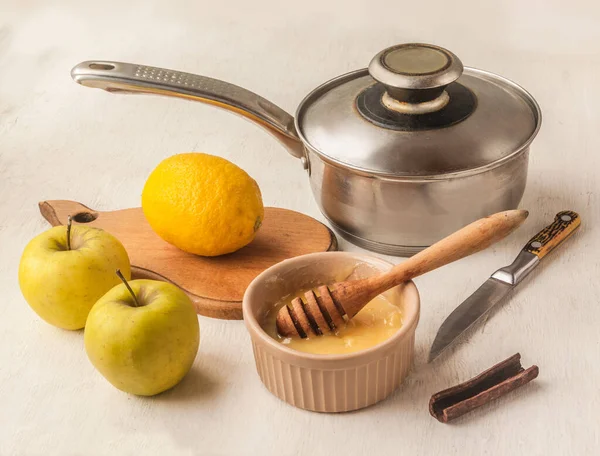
pixel 216 285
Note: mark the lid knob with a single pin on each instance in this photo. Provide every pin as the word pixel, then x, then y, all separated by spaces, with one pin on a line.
pixel 415 76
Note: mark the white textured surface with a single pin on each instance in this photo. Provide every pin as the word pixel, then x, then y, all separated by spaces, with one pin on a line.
pixel 59 140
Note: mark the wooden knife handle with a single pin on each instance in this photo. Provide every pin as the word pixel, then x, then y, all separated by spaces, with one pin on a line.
pixel 564 225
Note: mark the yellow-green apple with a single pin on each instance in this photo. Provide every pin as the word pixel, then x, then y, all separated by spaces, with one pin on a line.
pixel 65 270
pixel 143 336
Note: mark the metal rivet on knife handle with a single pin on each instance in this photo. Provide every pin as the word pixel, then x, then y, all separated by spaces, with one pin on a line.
pixel 564 224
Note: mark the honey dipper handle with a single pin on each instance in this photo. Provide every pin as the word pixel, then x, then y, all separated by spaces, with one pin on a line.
pixel 355 294
pixel 464 242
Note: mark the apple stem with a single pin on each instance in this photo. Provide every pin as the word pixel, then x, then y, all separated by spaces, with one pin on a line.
pixel 69 222
pixel 135 300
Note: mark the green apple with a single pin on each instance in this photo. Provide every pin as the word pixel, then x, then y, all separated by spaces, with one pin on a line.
pixel 143 336
pixel 65 270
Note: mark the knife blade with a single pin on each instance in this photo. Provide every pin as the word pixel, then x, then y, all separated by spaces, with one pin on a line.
pixel 503 281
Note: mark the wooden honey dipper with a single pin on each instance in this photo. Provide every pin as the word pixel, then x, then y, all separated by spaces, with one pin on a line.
pixel 330 310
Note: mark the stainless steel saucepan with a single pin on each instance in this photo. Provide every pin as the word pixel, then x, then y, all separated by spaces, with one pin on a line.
pixel 399 154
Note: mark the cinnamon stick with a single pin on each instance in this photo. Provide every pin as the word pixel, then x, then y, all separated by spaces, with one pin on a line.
pixel 498 380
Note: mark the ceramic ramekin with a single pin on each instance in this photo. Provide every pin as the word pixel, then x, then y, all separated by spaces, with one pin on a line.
pixel 328 383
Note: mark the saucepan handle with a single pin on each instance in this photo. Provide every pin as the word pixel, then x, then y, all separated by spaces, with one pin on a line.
pixel 132 78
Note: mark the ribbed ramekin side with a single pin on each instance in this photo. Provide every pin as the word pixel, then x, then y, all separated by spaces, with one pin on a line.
pixel 335 389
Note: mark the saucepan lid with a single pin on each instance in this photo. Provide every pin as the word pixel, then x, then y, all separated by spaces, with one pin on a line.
pixel 416 112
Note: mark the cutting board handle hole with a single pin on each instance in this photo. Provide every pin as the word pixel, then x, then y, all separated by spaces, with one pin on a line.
pixel 85 217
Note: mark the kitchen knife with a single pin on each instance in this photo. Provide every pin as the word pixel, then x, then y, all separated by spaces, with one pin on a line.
pixel 498 286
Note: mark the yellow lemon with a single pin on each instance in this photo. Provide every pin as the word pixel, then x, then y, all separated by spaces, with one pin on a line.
pixel 202 204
